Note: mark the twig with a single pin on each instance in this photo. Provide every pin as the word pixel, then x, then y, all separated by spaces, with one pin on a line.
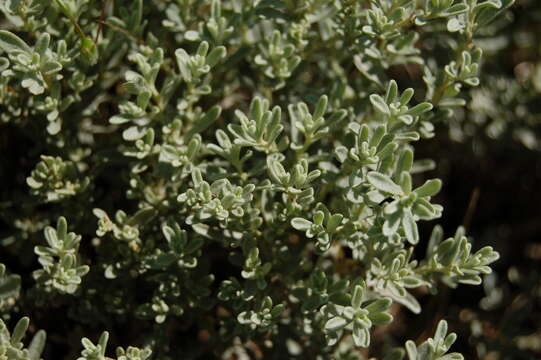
pixel 472 206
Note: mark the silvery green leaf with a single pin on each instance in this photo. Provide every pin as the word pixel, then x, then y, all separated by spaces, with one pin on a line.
pixel 336 323
pixel 454 25
pixel 37 345
pixel 411 349
pixel 361 336
pixel 216 55
pixel 9 286
pixel 19 331
pixel 392 91
pixel 380 105
pixel 452 356
pixel 410 227
pixel 203 49
pixel 381 318
pixel 204 122
pixel 182 61
pixel 472 81
pixel 33 85
pixel 406 96
pixel 301 224
pixel 11 43
pixel 357 297
pixel 42 44
pixel 406 119
pixel 134 133
pixel 383 183
pixel 102 342
pixel 191 35
pixel 452 102
pixel 321 107
pixel 441 331
pixel 420 109
pixel 470 279
pixel 448 251
pixel 429 188
pixel 391 224
pixel 424 210
pixel 119 119
pixel 409 301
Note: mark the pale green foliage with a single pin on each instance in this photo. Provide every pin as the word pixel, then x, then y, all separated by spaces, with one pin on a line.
pixel 182 251
pixel 241 170
pixel 277 58
pixel 97 352
pixel 60 260
pixel 453 259
pixel 11 347
pixel 355 317
pixel 38 69
pixel 262 317
pixel 55 179
pixel 9 287
pixel 434 348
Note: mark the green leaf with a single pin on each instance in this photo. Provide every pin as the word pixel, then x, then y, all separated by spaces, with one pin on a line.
pixel 336 323
pixel 411 350
pixel 4 64
pixel 410 227
pixel 216 55
pixel 379 305
pixel 42 43
pixel 11 43
pixel 333 222
pixel 35 349
pixel 203 123
pixel 102 342
pixel 277 310
pixel 357 297
pixel 34 86
pixel 301 224
pixel 381 318
pixel 420 109
pixel 89 50
pixel 408 301
pixel 452 356
pixel 51 67
pixel 19 330
pixel 429 188
pixel 161 261
pixel 321 107
pixel 183 60
pixel 380 105
pixel 361 336
pixel 9 286
pixel 141 217
pixel 383 183
pixel 441 331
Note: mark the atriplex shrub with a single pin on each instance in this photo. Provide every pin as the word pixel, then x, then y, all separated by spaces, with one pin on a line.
pixel 239 176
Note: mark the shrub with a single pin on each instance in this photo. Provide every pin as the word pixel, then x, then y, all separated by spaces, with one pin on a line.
pixel 230 179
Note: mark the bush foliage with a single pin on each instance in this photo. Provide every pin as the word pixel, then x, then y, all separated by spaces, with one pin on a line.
pixel 235 179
